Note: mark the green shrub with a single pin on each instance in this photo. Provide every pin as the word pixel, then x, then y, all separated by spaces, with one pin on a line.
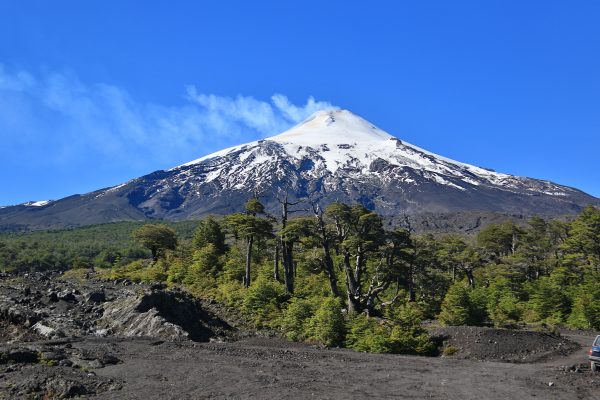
pixel 78 274
pixel 503 304
pixel 401 333
pixel 478 301
pixel 407 335
pixel 177 271
pixel 456 307
pixel 231 293
pixel 262 300
pixel 294 320
pixel 586 306
pixel 367 334
pixel 327 325
pixel 449 350
pixel 548 302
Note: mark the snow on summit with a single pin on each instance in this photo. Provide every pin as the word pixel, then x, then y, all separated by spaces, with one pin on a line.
pixel 338 143
pixel 332 127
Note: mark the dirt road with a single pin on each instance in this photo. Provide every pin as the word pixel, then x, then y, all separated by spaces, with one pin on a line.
pixel 274 369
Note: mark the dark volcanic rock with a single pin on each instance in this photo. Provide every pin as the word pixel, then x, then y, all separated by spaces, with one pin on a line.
pixel 77 309
pixel 171 315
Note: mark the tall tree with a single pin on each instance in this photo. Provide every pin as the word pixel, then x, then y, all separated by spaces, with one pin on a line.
pixel 207 232
pixel 500 239
pixel 460 256
pixel 583 242
pixel 250 227
pixel 285 243
pixel 325 239
pixel 157 238
pixel 358 233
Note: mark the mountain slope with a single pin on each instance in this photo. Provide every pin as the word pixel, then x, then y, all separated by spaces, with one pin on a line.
pixel 332 156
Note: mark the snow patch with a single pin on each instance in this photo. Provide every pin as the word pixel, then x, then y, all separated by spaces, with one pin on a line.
pixel 39 203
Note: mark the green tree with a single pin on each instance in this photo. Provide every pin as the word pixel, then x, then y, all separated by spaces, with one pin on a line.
pixel 157 238
pixel 327 325
pixel 209 232
pixel 295 319
pixel 407 335
pixel 503 300
pixel 250 227
pixel 291 233
pixel 586 306
pixel 205 267
pixel 456 307
pixel 460 256
pixel 583 242
pixel 358 235
pixel 548 301
pixel 499 239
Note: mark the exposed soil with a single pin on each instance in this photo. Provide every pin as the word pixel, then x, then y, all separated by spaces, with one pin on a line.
pixel 510 345
pixel 198 353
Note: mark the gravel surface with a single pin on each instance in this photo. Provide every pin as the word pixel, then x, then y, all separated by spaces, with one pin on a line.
pixel 480 343
pixel 81 353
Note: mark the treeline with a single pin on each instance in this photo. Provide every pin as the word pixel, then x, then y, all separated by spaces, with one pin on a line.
pixel 341 277
pixel 100 246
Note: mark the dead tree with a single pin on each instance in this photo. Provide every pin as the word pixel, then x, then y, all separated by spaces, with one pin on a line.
pixel 285 244
pixel 411 265
pixel 325 242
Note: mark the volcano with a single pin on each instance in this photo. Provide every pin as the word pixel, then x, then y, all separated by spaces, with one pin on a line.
pixel 334 155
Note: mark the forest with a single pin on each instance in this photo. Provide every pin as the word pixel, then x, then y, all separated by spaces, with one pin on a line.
pixel 342 275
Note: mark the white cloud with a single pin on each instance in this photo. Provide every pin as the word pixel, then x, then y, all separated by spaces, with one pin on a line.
pixel 59 119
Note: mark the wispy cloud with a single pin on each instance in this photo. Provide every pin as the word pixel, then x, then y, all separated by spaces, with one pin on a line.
pixel 57 118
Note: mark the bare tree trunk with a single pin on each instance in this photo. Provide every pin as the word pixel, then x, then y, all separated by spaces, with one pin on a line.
pixel 411 283
pixel 276 262
pixel 411 267
pixel 330 271
pixel 470 277
pixel 287 257
pixel 352 289
pixel 327 259
pixel 288 266
pixel 248 261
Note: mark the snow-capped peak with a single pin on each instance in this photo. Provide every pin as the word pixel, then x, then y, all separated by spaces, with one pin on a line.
pixel 332 127
pixel 340 143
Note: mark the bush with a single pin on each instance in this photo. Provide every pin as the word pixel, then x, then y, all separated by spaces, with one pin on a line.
pixel 366 334
pixel 456 307
pixel 407 335
pixel 177 271
pixel 586 306
pixel 262 301
pixel 449 350
pixel 204 269
pixel 231 293
pixel 478 301
pixel 506 311
pixel 503 305
pixel 78 274
pixel 402 333
pixel 548 302
pixel 294 320
pixel 327 325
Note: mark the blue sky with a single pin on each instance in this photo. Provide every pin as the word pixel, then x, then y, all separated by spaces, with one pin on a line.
pixel 94 93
